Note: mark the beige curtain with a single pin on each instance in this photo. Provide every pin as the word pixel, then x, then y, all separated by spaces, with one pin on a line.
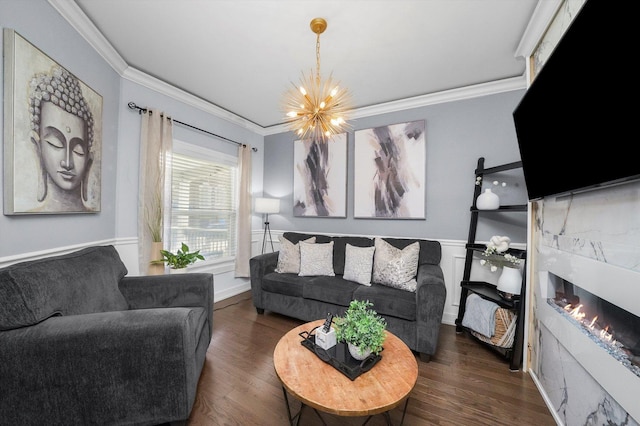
pixel 155 152
pixel 243 252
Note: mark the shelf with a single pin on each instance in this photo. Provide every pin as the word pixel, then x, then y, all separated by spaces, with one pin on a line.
pixel 511 208
pixel 488 291
pixel 501 168
pixel 519 253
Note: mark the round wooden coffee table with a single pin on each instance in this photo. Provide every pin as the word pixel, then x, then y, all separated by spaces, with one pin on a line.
pixel 322 387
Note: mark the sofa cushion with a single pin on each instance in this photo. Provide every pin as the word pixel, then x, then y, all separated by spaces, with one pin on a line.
pixel 333 290
pixel 82 282
pixel 395 267
pixel 358 264
pixel 316 259
pixel 388 301
pixel 339 250
pixel 289 255
pixel 430 251
pixel 287 284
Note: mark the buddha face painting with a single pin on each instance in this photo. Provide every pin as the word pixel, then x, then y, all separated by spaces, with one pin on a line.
pixel 62 133
pixel 63 147
pixel 52 135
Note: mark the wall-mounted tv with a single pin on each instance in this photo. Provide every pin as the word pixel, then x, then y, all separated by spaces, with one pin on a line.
pixel 575 125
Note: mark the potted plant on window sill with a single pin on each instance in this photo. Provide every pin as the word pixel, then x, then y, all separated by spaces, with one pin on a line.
pixel 362 329
pixel 179 261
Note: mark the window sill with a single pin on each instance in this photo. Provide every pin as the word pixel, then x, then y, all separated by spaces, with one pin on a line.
pixel 214 266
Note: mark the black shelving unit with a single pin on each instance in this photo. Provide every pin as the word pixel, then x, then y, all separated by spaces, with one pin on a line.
pixel 487 290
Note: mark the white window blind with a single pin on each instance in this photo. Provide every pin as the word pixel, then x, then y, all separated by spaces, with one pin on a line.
pixel 204 201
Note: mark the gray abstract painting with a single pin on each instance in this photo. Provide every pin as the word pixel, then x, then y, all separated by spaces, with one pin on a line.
pixel 389 171
pixel 320 177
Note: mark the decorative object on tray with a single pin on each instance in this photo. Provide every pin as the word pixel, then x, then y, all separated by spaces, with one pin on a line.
pixel 338 356
pixel 362 328
pixel 181 259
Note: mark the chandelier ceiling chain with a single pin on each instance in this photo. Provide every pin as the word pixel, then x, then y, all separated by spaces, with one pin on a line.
pixel 316 110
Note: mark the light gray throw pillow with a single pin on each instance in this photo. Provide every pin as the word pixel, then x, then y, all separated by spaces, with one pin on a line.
pixel 289 256
pixel 394 267
pixel 316 259
pixel 358 264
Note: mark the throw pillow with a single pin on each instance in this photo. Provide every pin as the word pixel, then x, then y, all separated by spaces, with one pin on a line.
pixel 358 263
pixel 289 256
pixel 394 267
pixel 316 259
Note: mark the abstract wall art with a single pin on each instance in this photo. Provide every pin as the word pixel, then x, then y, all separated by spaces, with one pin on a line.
pixel 320 177
pixel 52 135
pixel 389 171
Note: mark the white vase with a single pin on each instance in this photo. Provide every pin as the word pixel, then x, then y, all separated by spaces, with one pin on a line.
pixel 355 352
pixel 177 271
pixel 488 200
pixel 510 282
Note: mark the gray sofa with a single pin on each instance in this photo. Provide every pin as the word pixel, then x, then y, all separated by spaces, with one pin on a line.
pixel 414 317
pixel 81 343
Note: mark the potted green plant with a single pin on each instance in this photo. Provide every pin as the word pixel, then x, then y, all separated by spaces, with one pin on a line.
pixel 361 328
pixel 181 259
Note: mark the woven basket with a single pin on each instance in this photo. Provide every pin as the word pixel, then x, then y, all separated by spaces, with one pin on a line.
pixel 505 329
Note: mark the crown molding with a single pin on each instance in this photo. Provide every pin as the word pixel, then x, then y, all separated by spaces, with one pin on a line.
pixel 187 98
pixel 70 11
pixel 462 93
pixel 542 16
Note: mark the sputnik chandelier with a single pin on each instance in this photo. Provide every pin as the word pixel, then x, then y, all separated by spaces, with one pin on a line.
pixel 317 109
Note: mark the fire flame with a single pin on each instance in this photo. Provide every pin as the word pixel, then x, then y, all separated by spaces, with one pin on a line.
pixel 579 316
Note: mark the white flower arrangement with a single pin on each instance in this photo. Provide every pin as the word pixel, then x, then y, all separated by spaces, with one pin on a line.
pixel 495 255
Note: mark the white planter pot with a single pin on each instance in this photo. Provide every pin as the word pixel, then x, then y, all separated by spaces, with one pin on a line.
pixel 488 200
pixel 178 271
pixel 355 352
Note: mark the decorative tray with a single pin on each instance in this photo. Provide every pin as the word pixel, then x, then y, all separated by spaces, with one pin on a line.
pixel 339 357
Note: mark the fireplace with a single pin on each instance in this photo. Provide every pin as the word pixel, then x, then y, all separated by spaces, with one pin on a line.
pixel 614 329
pixel 573 349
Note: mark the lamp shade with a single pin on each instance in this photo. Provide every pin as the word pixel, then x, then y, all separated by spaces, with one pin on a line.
pixel 267 205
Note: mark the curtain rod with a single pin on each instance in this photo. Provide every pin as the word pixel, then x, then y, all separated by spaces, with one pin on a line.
pixel 141 110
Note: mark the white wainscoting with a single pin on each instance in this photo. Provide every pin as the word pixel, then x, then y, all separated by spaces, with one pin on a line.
pixel 227 285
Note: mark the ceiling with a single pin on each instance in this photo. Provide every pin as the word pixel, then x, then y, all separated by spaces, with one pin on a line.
pixel 242 55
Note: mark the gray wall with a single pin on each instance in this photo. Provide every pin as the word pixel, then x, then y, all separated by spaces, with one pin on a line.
pixel 43 27
pixel 457 134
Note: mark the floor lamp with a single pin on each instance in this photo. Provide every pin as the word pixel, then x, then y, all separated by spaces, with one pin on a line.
pixel 266 206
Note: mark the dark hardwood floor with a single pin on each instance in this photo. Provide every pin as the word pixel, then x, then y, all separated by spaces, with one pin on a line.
pixel 464 384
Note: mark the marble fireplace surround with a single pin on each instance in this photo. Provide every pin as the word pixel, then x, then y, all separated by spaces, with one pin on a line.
pixel 617 285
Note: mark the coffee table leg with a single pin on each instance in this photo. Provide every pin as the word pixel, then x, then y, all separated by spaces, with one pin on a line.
pixel 404 411
pixel 387 417
pixel 293 421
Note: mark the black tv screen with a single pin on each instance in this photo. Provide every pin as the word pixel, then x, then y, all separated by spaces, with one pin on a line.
pixel 574 124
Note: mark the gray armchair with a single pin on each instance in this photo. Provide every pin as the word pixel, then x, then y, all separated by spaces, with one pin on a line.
pixel 81 343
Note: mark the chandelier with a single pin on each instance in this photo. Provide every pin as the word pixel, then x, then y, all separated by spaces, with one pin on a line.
pixel 317 109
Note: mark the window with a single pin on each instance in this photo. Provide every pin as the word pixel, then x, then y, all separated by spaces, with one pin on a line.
pixel 203 201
